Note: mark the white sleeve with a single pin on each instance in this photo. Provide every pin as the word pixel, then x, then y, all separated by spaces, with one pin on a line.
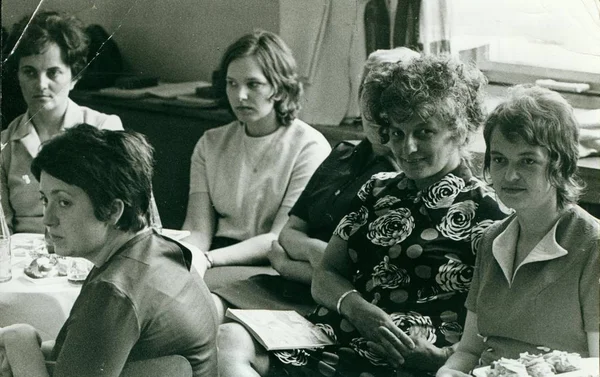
pixel 198 178
pixel 308 160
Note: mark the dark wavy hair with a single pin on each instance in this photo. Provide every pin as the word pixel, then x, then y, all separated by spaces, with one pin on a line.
pixel 106 165
pixel 278 65
pixel 430 85
pixel 543 118
pixel 38 30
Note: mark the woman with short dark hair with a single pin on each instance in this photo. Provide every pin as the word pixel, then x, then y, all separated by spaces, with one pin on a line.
pixel 49 57
pixel 141 300
pixel 543 259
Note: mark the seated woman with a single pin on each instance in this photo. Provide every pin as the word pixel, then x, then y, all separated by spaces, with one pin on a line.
pixel 141 300
pixel 315 215
pixel 543 259
pixel 50 57
pixel 246 176
pixel 394 277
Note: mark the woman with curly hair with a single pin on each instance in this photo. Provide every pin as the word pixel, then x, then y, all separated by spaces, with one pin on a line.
pixel 395 274
pixel 246 176
pixel 49 57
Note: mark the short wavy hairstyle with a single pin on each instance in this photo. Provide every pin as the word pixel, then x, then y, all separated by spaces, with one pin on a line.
pixel 37 31
pixel 278 65
pixel 396 55
pixel 429 85
pixel 543 118
pixel 107 165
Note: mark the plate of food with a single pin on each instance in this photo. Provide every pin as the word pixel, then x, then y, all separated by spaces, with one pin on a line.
pixel 555 363
pixel 47 269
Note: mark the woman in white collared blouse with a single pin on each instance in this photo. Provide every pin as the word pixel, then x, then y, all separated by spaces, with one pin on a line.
pixel 535 285
pixel 50 58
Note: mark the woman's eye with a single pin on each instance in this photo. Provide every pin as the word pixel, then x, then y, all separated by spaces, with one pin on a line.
pixel 44 200
pixel 64 203
pixel 424 134
pixel 497 160
pixel 53 73
pixel 230 83
pixel 528 161
pixel 28 73
pixel 396 134
pixel 254 85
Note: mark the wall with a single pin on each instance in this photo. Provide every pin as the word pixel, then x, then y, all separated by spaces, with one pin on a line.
pixel 177 40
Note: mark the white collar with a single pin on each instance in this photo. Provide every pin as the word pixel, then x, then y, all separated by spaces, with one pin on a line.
pixel 505 245
pixel 29 137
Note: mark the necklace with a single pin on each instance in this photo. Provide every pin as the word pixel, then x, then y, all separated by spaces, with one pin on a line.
pixel 249 156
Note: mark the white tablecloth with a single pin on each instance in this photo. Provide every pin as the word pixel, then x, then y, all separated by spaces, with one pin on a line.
pixel 42 304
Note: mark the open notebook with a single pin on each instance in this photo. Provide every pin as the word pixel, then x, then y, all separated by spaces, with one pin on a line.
pixel 280 329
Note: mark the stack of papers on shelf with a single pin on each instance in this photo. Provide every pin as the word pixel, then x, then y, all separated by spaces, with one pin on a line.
pixel 162 90
pixel 192 100
pixel 281 329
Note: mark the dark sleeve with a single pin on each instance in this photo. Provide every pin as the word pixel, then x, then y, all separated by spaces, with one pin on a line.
pixel 100 335
pixel 318 179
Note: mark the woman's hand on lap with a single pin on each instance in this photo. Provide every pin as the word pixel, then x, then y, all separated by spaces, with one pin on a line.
pixel 385 337
pixel 277 256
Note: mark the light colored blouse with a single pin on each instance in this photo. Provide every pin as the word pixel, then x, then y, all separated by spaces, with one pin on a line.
pixel 251 179
pixel 20 144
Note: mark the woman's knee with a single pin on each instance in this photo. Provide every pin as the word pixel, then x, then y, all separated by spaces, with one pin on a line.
pixel 238 347
pixel 233 336
pixel 19 331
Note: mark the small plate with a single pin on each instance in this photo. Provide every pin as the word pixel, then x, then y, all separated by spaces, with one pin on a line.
pixel 589 368
pixel 47 281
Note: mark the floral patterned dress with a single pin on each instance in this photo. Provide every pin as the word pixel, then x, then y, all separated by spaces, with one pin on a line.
pixel 413 253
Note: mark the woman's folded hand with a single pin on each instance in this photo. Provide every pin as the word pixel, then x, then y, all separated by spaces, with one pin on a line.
pixel 375 325
pixel 277 256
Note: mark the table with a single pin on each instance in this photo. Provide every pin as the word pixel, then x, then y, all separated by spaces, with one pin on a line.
pixel 44 305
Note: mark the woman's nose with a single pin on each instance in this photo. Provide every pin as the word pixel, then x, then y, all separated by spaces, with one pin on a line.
pixel 42 81
pixel 242 93
pixel 409 145
pixel 49 219
pixel 511 173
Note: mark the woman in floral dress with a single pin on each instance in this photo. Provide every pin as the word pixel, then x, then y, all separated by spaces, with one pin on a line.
pixel 395 274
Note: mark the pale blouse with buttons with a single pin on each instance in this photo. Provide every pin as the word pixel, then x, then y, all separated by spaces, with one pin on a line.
pixel 550 300
pixel 251 179
pixel 20 144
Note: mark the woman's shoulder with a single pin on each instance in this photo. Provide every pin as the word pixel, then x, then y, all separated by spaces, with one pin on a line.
pixel 579 224
pixel 101 120
pixel 6 134
pixel 302 132
pixel 221 136
pixel 223 131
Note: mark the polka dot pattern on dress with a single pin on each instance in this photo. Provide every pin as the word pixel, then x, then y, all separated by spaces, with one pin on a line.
pixel 399 296
pixel 424 272
pixel 429 234
pixel 414 251
pixel 395 251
